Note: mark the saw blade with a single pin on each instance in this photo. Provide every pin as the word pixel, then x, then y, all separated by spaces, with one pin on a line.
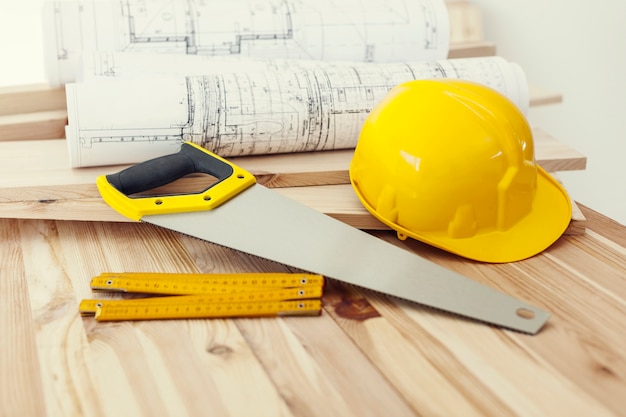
pixel 264 223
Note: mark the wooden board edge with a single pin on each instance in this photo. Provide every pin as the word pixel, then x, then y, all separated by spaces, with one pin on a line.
pixel 31 98
pixel 32 126
pixel 472 49
pixel 337 201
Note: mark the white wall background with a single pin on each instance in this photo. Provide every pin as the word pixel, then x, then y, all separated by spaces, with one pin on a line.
pixel 21 48
pixel 575 48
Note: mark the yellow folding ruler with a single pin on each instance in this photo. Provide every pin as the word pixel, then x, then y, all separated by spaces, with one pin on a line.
pixel 205 295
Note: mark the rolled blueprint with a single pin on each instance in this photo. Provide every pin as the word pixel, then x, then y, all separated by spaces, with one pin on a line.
pixel 351 30
pixel 273 107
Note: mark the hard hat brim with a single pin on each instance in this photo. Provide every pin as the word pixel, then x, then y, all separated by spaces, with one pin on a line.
pixel 549 218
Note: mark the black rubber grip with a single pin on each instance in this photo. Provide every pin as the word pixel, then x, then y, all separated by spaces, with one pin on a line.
pixel 166 169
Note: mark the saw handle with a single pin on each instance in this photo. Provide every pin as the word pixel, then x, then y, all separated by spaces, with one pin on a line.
pixel 167 169
pixel 117 189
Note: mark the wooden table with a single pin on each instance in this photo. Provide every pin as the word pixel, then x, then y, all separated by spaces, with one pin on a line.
pixel 366 355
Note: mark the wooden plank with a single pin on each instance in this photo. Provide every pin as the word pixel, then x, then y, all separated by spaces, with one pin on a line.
pixel 66 194
pixel 472 49
pixel 517 380
pixel 554 156
pixel 367 354
pixel 440 394
pixel 475 382
pixel 578 224
pixel 53 305
pixel 34 111
pixel 333 385
pixel 467 32
pixel 466 23
pixel 46 164
pixel 337 201
pixel 31 98
pixel 591 355
pixel 588 308
pixel 540 96
pixel 610 228
pixel 21 392
pixel 180 368
pixel 40 125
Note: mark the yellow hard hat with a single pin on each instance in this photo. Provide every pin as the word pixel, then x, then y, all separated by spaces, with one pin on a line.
pixel 451 163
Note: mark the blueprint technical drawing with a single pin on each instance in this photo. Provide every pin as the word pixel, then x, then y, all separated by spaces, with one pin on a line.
pixel 276 108
pixel 352 30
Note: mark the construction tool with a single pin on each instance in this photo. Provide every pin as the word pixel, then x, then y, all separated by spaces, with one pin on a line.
pixel 238 213
pixel 205 296
pixel 173 283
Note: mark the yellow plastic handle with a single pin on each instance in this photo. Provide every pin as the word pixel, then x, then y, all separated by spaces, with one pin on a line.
pixel 117 189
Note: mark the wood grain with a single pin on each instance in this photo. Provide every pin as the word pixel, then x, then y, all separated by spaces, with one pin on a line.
pixel 46 163
pixel 35 181
pixel 438 394
pixel 157 368
pixel 21 391
pixel 331 385
pixel 40 125
pixel 31 98
pixel 574 345
pixel 336 201
pixel 368 354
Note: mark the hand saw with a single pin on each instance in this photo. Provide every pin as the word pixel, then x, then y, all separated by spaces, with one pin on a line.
pixel 238 213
